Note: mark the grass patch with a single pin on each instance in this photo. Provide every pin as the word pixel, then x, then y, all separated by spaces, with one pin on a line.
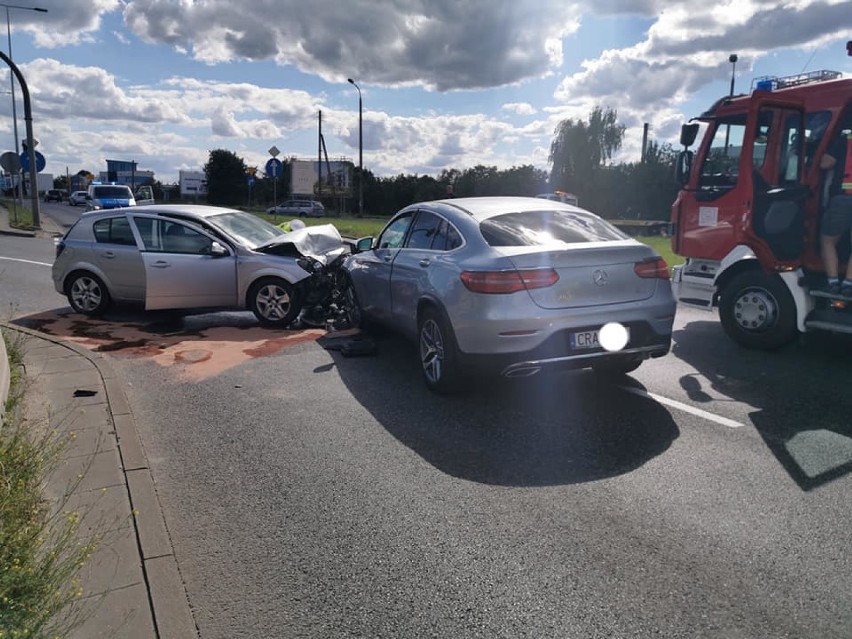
pixel 347 226
pixel 663 246
pixel 40 549
pixel 19 217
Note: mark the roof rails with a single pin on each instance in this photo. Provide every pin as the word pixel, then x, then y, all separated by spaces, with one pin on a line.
pixel 773 83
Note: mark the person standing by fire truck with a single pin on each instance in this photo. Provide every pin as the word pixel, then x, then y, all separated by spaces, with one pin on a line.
pixel 838 215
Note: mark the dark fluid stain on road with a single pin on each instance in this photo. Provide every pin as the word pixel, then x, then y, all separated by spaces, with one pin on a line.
pixel 193 356
pixel 197 346
pixel 120 345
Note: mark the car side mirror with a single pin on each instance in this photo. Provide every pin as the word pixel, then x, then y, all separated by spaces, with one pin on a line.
pixel 217 250
pixel 688 133
pixel 363 244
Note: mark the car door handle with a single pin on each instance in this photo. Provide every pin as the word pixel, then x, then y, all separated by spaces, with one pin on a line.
pixel 424 262
pixel 387 258
pixel 161 264
pixel 108 255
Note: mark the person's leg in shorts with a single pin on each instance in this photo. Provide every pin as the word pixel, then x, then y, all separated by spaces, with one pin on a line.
pixel 836 222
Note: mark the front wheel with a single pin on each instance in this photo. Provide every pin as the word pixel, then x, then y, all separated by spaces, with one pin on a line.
pixel 439 356
pixel 274 302
pixel 757 311
pixel 87 293
pixel 352 308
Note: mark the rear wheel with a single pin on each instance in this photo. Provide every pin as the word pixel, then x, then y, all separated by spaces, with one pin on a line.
pixel 439 356
pixel 274 302
pixel 757 310
pixel 87 293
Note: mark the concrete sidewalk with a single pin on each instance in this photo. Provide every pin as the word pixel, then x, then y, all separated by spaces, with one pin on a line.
pixel 131 585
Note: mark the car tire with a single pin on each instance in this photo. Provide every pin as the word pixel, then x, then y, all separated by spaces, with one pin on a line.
pixel 354 314
pixel 617 366
pixel 87 294
pixel 274 302
pixel 439 355
pixel 757 310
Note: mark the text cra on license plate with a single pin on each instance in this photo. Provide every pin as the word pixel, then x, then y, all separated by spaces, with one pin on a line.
pixel 586 339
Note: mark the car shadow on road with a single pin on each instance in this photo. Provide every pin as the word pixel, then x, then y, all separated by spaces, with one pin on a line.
pixel 801 395
pixel 551 429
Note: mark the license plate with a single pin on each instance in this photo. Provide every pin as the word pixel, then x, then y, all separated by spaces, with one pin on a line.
pixel 584 340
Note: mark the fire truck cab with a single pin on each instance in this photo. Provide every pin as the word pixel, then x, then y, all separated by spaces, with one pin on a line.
pixel 747 218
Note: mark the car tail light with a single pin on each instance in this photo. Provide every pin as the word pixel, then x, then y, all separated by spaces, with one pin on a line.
pixel 508 281
pixel 653 267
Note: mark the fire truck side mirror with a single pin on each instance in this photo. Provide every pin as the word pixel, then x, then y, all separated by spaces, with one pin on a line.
pixel 684 166
pixel 688 133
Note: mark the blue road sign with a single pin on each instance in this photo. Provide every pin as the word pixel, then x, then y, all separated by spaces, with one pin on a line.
pixel 251 181
pixel 274 168
pixel 25 162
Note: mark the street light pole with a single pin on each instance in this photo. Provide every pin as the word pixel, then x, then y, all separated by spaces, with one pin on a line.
pixel 360 150
pixel 12 81
pixel 733 60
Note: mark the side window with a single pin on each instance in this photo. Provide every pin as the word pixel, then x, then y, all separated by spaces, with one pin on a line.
pixel 720 165
pixel 423 231
pixel 447 238
pixel 114 230
pixel 815 126
pixel 167 236
pixel 792 148
pixel 394 234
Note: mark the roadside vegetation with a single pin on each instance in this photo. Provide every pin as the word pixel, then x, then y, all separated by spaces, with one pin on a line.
pixel 40 549
pixel 19 216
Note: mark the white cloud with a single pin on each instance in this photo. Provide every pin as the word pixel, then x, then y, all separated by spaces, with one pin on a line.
pixel 521 108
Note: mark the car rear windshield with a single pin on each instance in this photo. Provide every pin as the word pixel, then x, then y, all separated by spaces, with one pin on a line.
pixel 112 191
pixel 540 228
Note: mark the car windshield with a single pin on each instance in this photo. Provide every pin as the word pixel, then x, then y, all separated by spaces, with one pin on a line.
pixel 539 228
pixel 112 191
pixel 250 230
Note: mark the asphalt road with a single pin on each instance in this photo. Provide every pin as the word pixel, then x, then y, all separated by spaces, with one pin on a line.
pixel 310 495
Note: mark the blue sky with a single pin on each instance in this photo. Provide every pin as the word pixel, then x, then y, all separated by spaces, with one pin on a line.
pixel 445 83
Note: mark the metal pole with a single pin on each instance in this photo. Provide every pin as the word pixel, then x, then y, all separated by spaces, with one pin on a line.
pixel 19 187
pixel 14 114
pixel 733 60
pixel 31 156
pixel 360 150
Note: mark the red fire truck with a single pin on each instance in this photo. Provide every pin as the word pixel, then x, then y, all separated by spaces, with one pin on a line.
pixel 747 218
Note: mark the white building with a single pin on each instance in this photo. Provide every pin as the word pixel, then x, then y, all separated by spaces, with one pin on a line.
pixel 192 183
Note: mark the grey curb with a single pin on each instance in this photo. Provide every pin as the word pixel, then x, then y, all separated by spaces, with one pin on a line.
pixel 167 596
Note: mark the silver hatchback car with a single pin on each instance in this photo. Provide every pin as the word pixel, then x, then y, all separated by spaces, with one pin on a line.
pixel 188 257
pixel 513 285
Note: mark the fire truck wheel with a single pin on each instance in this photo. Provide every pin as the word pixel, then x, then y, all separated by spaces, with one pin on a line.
pixel 758 311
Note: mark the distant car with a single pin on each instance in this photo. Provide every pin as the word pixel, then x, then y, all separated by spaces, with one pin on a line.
pixel 512 285
pixel 77 198
pixel 299 208
pixel 54 195
pixel 109 196
pixel 188 257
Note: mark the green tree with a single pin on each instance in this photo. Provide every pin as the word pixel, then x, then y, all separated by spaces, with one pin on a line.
pixel 579 149
pixel 226 178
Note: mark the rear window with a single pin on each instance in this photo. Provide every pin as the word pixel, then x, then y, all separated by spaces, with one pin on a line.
pixel 540 228
pixel 112 191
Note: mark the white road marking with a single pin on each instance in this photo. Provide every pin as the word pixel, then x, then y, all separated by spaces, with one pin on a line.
pixel 15 259
pixel 724 421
